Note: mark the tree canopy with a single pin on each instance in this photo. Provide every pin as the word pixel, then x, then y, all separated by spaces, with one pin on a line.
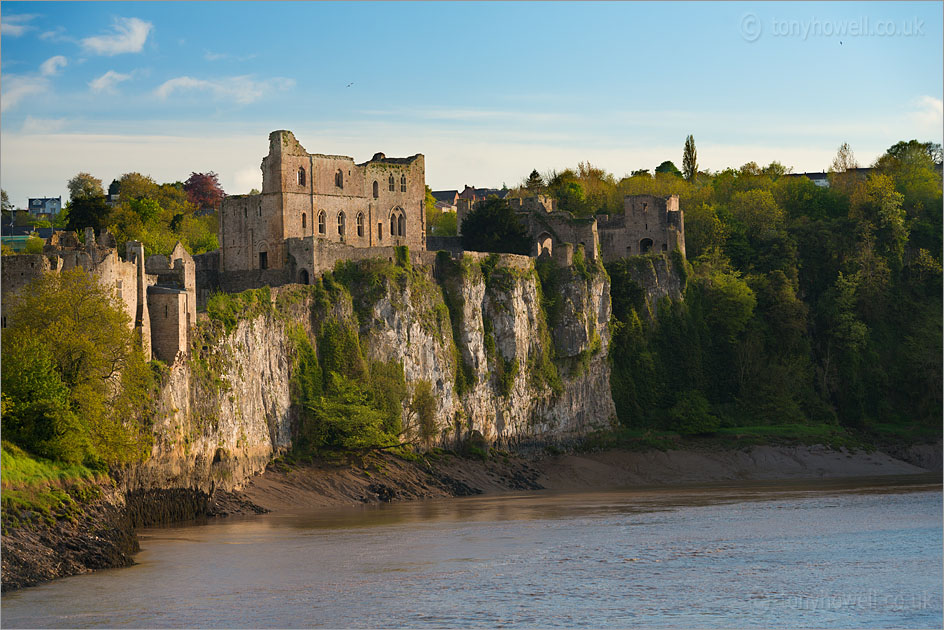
pixel 690 159
pixel 493 226
pixel 204 190
pixel 84 186
pixel 75 383
pixel 668 167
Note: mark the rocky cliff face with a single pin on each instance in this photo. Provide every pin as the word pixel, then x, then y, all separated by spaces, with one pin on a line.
pixel 659 276
pixel 507 357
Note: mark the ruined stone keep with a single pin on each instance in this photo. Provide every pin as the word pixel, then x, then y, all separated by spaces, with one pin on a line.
pixel 316 209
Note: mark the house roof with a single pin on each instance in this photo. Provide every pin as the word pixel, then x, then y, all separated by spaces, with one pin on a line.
pixel 446 195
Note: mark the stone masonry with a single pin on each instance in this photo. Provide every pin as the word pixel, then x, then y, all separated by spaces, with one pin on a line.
pixel 317 201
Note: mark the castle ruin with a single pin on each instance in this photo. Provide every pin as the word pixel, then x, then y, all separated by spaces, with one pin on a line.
pixel 316 210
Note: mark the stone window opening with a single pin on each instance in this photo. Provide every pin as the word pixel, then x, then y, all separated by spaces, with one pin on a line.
pixel 645 245
pixel 339 179
pixel 263 260
pixel 304 219
pixel 165 311
pixel 303 276
pixel 390 183
pixel 545 245
pixel 376 189
pixel 665 247
pixel 322 220
pixel 245 213
pixel 341 224
pixel 397 222
pixel 380 230
pixel 301 176
pixel 360 224
pixel 402 183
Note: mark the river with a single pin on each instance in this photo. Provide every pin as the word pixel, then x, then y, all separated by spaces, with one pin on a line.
pixel 854 553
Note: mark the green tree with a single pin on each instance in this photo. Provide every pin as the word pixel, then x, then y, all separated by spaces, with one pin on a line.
pixel 84 186
pixel 72 335
pixel 423 408
pixel 535 183
pixel 669 168
pixel 84 212
pixel 690 159
pixel 493 226
pixel 5 204
pixel 877 207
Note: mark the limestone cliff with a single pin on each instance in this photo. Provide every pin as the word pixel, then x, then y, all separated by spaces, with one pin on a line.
pixel 504 359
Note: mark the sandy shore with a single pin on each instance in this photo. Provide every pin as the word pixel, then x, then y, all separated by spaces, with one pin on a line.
pixel 385 478
pixel 622 468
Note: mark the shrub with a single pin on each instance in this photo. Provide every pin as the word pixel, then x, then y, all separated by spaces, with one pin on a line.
pixel 691 414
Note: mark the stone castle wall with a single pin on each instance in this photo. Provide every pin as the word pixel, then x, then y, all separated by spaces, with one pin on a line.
pixel 327 197
pixel 648 224
pixel 132 280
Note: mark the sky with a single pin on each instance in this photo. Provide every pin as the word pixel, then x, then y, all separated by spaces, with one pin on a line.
pixel 486 91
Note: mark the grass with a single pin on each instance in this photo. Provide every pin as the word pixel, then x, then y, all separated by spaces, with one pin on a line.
pixel 37 489
pixel 640 439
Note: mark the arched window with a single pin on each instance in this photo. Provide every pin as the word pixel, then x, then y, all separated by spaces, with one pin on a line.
pixel 301 176
pixel 645 245
pixel 341 224
pixel 303 220
pixel 376 190
pixel 339 179
pixel 321 222
pixel 303 276
pixel 360 224
pixel 397 222
pixel 402 183
pixel 390 183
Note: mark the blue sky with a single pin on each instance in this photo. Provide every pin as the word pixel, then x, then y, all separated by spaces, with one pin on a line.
pixel 487 91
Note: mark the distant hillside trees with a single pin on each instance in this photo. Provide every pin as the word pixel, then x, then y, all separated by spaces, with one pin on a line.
pixel 158 215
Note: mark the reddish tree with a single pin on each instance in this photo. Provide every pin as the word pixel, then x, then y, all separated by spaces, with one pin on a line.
pixel 204 190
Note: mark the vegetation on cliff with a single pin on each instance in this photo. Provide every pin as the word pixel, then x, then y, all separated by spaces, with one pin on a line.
pixel 805 305
pixel 75 383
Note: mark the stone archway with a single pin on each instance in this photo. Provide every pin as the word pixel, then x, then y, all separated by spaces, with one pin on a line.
pixel 645 245
pixel 303 276
pixel 545 244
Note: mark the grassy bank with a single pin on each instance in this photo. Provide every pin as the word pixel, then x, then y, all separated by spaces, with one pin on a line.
pixel 36 490
pixel 830 435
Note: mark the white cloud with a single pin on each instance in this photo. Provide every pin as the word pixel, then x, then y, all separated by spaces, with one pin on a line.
pixel 107 82
pixel 129 37
pixel 16 25
pixel 19 87
pixel 42 125
pixel 212 56
pixel 52 66
pixel 928 113
pixel 56 35
pixel 242 89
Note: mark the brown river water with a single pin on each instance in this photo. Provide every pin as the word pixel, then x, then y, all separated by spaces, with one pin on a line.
pixel 841 553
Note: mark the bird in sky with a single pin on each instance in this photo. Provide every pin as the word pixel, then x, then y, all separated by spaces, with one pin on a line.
pixel 350 84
